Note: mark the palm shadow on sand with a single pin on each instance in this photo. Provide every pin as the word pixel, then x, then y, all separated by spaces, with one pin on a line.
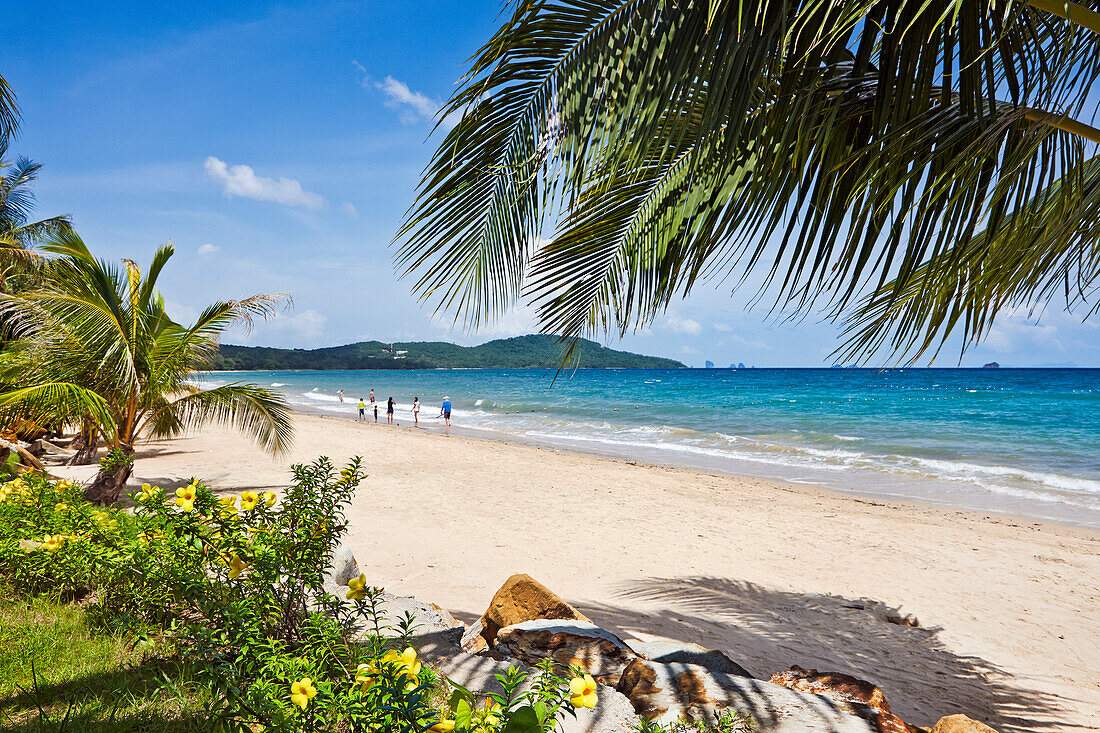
pixel 769 630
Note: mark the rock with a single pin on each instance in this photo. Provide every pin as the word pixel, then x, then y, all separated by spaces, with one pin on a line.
pixel 674 691
pixel 344 566
pixel 688 653
pixel 442 652
pixel 960 724
pixel 570 643
pixel 844 688
pixel 521 598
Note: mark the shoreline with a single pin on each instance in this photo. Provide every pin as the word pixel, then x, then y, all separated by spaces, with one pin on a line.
pixel 774 574
pixel 711 467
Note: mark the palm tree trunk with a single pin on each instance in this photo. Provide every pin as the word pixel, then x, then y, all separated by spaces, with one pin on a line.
pixel 106 487
pixel 85 444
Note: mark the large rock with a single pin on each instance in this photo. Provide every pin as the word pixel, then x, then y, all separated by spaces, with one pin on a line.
pixel 688 653
pixel 844 688
pixel 521 598
pixel 960 724
pixel 678 691
pixel 344 565
pixel 442 652
pixel 570 643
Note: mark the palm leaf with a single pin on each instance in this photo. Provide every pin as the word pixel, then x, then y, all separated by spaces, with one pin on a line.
pixel 832 147
pixel 259 412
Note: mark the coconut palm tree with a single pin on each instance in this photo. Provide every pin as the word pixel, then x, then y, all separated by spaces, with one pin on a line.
pixel 96 347
pixel 909 167
pixel 18 233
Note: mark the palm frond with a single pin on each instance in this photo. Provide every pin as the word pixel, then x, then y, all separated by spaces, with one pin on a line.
pixel 832 147
pixel 259 412
pixel 9 112
pixel 57 402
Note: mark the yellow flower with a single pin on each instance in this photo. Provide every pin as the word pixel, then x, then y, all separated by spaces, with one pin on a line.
pixel 52 542
pixel 443 726
pixel 406 663
pixel 489 714
pixel 582 692
pixel 236 566
pixel 228 506
pixel 60 507
pixel 269 498
pixel 148 493
pixel 249 499
pixel 185 497
pixel 357 588
pixel 302 691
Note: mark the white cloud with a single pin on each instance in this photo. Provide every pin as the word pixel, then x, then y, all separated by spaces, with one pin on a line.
pixel 722 327
pixel 208 249
pixel 517 321
pixel 241 180
pixel 687 326
pixel 1018 329
pixel 413 107
pixel 301 329
pixel 181 313
pixel 348 208
pixel 688 350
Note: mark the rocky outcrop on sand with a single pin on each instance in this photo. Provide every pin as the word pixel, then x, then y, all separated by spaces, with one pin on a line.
pixel 667 681
pixel 677 691
pixel 521 598
pixel 846 689
pixel 960 724
pixel 569 643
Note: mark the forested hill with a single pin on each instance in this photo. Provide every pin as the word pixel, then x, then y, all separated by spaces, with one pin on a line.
pixel 521 352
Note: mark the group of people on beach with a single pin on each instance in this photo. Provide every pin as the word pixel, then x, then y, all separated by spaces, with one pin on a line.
pixel 391 405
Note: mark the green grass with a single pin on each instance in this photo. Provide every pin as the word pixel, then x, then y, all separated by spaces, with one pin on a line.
pixel 59 671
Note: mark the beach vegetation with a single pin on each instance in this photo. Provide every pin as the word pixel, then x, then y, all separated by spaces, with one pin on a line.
pixel 234 610
pixel 96 348
pixel 909 169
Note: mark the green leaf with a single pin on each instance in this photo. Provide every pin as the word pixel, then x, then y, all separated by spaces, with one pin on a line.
pixel 463 713
pixel 523 720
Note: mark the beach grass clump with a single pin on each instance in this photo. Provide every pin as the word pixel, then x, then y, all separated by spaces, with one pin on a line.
pixel 235 590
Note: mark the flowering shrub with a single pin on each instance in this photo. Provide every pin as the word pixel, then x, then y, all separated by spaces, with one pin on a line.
pixel 238 583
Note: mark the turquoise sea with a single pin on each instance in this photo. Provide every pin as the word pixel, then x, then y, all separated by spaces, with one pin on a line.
pixel 1020 441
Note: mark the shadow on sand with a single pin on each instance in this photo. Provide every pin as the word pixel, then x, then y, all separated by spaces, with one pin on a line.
pixel 769 630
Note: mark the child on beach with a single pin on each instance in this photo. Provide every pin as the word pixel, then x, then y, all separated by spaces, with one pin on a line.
pixel 390 403
pixel 416 411
pixel 362 411
pixel 375 406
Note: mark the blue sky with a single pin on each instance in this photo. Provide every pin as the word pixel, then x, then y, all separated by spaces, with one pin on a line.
pixel 278 145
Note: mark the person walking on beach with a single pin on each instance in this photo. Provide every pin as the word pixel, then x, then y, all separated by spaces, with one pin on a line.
pixel 390 403
pixel 340 394
pixel 445 411
pixel 416 411
pixel 362 411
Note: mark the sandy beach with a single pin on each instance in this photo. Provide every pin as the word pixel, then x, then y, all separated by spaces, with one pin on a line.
pixel 773 574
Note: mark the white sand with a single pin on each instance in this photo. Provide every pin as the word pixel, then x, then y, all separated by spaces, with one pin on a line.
pixel 773 574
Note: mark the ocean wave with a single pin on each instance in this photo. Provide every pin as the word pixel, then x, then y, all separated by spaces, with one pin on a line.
pixel 315 395
pixel 965 469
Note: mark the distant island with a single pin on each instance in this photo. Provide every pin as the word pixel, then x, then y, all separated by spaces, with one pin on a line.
pixel 521 352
